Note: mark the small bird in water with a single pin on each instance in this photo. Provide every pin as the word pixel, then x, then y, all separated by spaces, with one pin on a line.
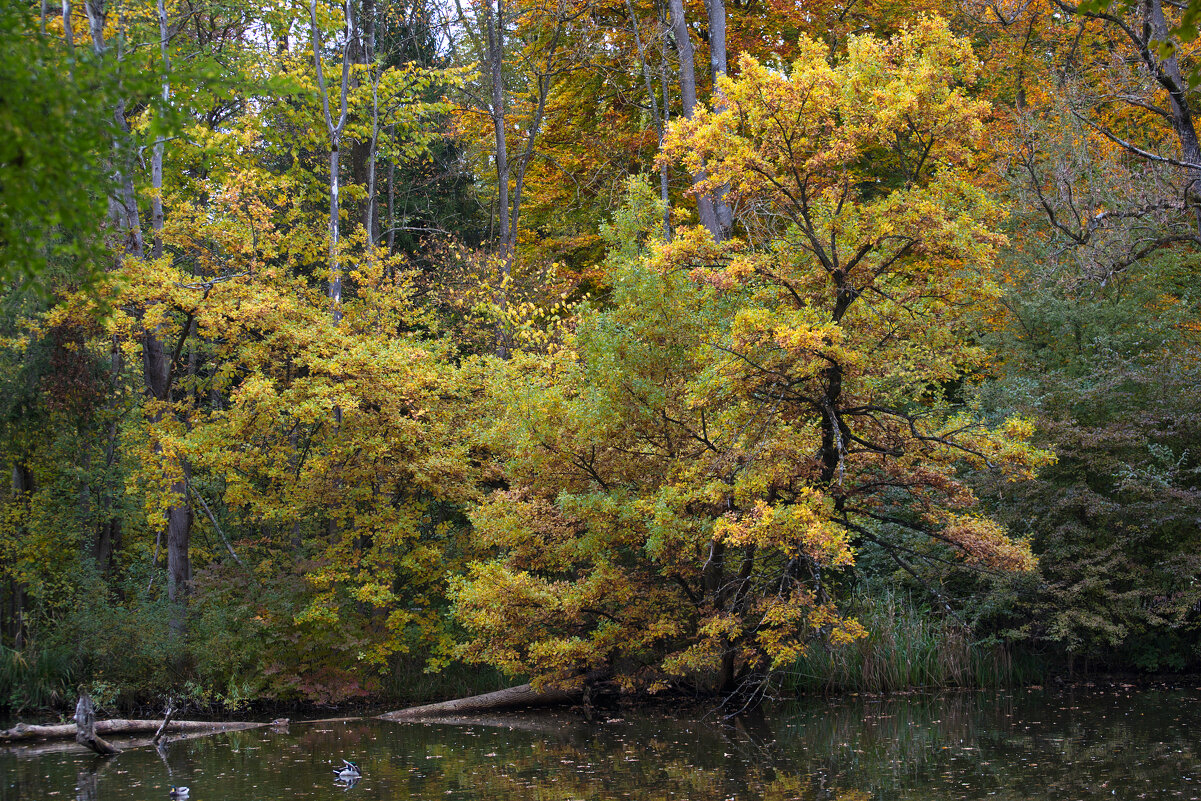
pixel 179 792
pixel 349 771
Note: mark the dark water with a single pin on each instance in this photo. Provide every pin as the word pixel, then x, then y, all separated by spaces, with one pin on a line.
pixel 1110 743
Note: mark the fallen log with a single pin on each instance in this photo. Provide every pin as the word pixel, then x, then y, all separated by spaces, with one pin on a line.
pixel 523 696
pixel 27 749
pixel 23 731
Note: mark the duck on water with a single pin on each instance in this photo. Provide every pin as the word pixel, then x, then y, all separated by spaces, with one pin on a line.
pixel 348 772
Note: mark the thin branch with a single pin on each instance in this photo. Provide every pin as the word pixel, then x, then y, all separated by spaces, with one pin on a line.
pixel 212 519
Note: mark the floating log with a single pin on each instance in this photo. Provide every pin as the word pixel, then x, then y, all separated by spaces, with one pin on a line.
pixel 23 731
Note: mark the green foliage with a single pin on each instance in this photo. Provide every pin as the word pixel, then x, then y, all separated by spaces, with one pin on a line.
pixel 1115 518
pixel 683 477
pixel 53 133
pixel 1107 361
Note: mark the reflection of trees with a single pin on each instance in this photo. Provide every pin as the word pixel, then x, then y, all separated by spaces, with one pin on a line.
pixel 1008 746
pixel 1012 746
pixel 87 779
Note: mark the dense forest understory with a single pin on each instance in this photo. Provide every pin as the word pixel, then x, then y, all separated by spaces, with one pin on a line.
pixel 401 349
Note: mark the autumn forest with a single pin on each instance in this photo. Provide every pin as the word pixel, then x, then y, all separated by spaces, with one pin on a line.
pixel 402 349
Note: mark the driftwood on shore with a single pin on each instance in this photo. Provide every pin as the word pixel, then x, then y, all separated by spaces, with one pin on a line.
pixel 24 731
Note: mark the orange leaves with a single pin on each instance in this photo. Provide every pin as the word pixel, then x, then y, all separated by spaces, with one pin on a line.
pixel 984 542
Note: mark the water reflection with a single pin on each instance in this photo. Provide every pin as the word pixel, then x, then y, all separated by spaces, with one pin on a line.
pixel 1095 743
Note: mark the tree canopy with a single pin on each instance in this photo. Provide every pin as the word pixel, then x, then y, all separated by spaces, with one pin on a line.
pixel 650 343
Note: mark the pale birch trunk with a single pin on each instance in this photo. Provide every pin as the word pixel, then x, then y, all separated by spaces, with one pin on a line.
pixel 716 10
pixel 369 222
pixel 334 130
pixel 392 202
pixel 156 169
pixel 156 361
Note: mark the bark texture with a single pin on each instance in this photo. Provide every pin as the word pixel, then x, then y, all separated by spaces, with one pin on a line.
pixel 679 31
pixel 523 696
pixel 85 728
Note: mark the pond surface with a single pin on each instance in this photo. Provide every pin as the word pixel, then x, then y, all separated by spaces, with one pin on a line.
pixel 1103 742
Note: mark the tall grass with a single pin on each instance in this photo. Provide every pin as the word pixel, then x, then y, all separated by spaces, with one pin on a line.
pixel 408 683
pixel 907 648
pixel 35 678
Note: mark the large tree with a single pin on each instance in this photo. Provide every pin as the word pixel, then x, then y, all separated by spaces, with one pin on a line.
pixel 692 479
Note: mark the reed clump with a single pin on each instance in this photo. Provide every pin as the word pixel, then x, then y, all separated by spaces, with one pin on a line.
pixel 35 678
pixel 907 647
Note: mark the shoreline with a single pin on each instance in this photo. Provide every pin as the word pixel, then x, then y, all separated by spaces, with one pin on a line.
pixel 264 712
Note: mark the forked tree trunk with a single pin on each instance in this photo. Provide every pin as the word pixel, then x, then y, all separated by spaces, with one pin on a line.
pixel 85 728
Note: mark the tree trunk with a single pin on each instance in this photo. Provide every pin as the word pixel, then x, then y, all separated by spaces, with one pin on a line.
pixel 156 363
pixel 156 170
pixel 391 205
pixel 334 129
pixel 370 216
pixel 494 33
pixel 156 368
pixel 363 152
pixel 108 535
pixel 716 10
pixel 664 183
pixel 655 116
pixel 68 34
pixel 1169 76
pixel 22 488
pixel 24 731
pixel 179 535
pixel 85 728
pixel 679 30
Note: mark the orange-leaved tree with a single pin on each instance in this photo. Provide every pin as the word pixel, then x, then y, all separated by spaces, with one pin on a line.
pixel 692 482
